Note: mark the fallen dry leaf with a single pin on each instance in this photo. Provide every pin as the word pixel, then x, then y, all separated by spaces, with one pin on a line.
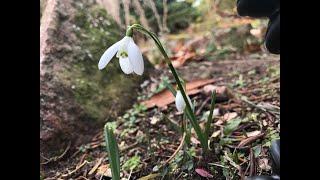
pixel 253 133
pixel 226 117
pixel 203 173
pixel 216 112
pixel 264 165
pixel 194 140
pixel 216 134
pixel 223 91
pixel 165 97
pixel 249 140
pixel 219 89
pixel 104 170
pixel 181 59
pixel 150 176
pixel 229 116
pixel 154 120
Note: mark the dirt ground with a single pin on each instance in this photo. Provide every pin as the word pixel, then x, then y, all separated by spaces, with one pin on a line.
pixel 152 136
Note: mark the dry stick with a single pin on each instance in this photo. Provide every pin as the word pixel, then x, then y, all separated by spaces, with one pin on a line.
pixel 252 163
pixel 250 140
pixel 82 177
pixel 202 106
pixel 103 174
pixel 245 172
pixel 95 166
pixel 129 147
pixel 234 165
pixel 130 174
pixel 177 150
pixel 219 165
pixel 266 110
pixel 75 170
pixel 56 158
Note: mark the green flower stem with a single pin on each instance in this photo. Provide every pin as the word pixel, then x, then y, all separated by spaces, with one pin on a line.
pixel 189 112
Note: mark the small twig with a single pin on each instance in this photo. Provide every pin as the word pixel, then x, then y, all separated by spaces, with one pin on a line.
pixel 247 169
pixel 235 147
pixel 129 147
pixel 202 106
pixel 82 177
pixel 234 165
pixel 103 174
pixel 262 108
pixel 252 163
pixel 250 140
pixel 95 166
pixel 82 159
pixel 75 170
pixel 219 165
pixel 177 150
pixel 56 158
pixel 175 124
pixel 130 174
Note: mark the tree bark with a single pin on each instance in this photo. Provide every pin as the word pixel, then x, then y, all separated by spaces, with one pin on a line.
pixel 165 16
pixel 126 5
pixel 113 9
pixel 155 12
pixel 141 13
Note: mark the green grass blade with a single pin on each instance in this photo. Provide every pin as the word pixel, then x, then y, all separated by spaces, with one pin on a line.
pixel 209 121
pixel 113 151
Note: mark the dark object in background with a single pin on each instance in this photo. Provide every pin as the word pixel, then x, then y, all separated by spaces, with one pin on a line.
pixel 264 8
pixel 275 154
pixel 263 178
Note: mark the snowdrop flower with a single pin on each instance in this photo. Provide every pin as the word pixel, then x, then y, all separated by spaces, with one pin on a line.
pixel 180 104
pixel 129 54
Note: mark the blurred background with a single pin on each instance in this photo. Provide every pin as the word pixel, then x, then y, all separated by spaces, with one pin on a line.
pixel 205 39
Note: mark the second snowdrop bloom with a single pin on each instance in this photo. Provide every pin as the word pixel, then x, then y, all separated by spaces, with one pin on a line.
pixel 180 103
pixel 129 54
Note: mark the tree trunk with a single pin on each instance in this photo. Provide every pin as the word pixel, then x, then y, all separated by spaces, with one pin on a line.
pixel 165 16
pixel 126 5
pixel 155 12
pixel 142 16
pixel 113 9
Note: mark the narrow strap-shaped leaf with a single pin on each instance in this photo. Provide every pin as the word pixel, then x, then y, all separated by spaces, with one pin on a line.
pixel 170 87
pixel 113 151
pixel 209 121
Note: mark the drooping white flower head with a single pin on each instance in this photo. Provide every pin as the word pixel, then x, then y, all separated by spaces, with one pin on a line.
pixel 180 103
pixel 129 54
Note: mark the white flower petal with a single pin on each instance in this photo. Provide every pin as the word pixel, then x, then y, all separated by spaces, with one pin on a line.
pixel 180 104
pixel 135 57
pixel 125 65
pixel 109 53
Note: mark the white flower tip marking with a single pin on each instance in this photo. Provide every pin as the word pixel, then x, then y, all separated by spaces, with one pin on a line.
pixel 180 104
